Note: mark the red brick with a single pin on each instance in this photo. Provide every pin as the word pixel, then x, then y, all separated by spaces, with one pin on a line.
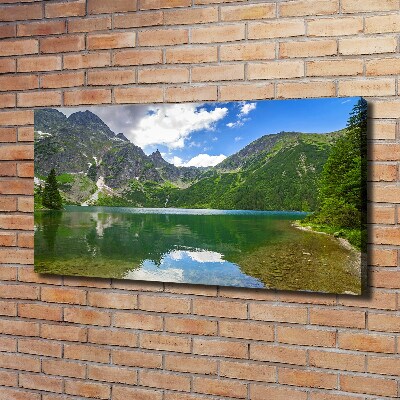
pixel 340 318
pixel 69 9
pixel 8 135
pixel 190 94
pixel 63 295
pixel 64 368
pixel 163 37
pixel 308 7
pixel 8 309
pixel 163 75
pixel 190 326
pixel 19 328
pixel 87 389
pixel 314 379
pixel 19 362
pixel 247 371
pixel 382 172
pixel 224 72
pixel 196 365
pixel 246 330
pixel 384 322
pixel 87 317
pixel 7 100
pixel 220 387
pixel 106 7
pixel 8 344
pixel 7 31
pixel 113 337
pixel 63 332
pixel 138 321
pixel 21 12
pixel 123 393
pixel 7 65
pixel 165 342
pixel 28 275
pixel 14 82
pixel 200 54
pixel 266 312
pixel 137 57
pixel 279 354
pixel 7 204
pixel 86 353
pixel 334 360
pixel 164 304
pixel 89 60
pixel 62 44
pixel 62 79
pixel 87 96
pixel 14 394
pixel 115 77
pixel 252 11
pixel 7 239
pixel 349 6
pixel 25 134
pixel 39 99
pixel 41 63
pixel 137 358
pixel 138 94
pixel 112 374
pixel 215 34
pixel 16 118
pixel 42 28
pixel 8 378
pixel 39 347
pixel 362 384
pixel 38 382
pixel 223 348
pixel 111 40
pixel 112 300
pixel 151 4
pixel 19 256
pixel 276 29
pixel 307 337
pixel 20 222
pixel 306 89
pixel 259 392
pixel 191 16
pixel 163 380
pixel 89 24
pixel 384 365
pixel 7 169
pixel 138 20
pixel 40 311
pixel 366 342
pixel 244 92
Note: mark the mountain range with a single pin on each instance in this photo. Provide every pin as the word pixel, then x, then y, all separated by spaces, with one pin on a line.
pixel 96 166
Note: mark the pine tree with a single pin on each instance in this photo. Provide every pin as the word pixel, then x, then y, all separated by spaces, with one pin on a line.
pixel 51 196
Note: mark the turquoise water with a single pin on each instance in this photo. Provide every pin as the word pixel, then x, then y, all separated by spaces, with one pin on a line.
pixel 257 249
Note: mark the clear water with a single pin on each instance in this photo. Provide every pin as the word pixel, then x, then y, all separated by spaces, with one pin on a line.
pixel 256 249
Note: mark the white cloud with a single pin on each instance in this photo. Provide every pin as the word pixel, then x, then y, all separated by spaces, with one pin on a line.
pixel 176 161
pixel 237 138
pixel 246 108
pixel 172 124
pixel 205 160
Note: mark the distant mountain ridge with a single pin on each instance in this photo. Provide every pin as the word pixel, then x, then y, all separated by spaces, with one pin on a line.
pixel 262 175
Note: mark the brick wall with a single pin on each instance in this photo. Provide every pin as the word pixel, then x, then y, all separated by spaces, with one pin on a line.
pixel 68 338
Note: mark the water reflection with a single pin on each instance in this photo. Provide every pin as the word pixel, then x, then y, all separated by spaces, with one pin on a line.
pixel 248 249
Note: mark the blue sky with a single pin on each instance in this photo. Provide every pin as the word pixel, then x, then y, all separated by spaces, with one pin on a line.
pixel 204 134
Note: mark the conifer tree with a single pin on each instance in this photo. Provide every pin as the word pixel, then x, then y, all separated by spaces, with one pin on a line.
pixel 51 196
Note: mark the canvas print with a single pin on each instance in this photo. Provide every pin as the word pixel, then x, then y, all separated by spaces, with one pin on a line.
pixel 256 194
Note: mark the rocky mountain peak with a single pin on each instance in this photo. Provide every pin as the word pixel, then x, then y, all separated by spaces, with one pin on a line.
pixel 157 159
pixel 89 122
pixel 122 137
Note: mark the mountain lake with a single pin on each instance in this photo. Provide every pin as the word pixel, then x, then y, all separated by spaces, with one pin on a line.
pixel 253 249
